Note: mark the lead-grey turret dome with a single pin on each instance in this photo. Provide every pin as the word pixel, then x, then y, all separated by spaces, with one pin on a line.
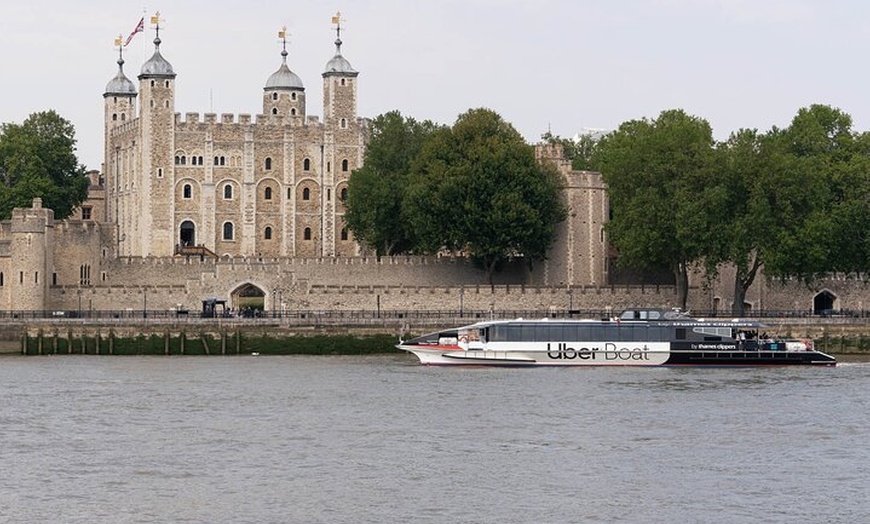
pixel 338 65
pixel 157 66
pixel 120 85
pixel 284 78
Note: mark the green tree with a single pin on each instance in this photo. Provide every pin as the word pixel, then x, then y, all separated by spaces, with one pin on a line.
pixel 478 189
pixel 657 174
pixel 792 197
pixel 809 152
pixel 849 211
pixel 580 153
pixel 37 159
pixel 375 191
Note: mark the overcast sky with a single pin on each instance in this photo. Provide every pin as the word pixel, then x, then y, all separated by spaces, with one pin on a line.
pixel 562 65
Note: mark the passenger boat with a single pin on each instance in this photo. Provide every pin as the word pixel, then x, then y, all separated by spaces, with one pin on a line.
pixel 638 337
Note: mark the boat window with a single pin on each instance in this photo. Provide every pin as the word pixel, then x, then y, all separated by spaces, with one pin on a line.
pixel 484 334
pixel 659 334
pixel 528 333
pixel 714 331
pixel 638 333
pixel 681 334
pixel 598 333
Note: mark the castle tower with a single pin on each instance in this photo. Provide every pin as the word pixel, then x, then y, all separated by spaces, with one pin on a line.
pixel 339 86
pixel 119 103
pixel 152 229
pixel 341 142
pixel 31 256
pixel 284 93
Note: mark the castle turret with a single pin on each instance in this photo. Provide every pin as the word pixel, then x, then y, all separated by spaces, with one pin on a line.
pixel 31 256
pixel 119 107
pixel 339 86
pixel 284 93
pixel 152 229
pixel 342 147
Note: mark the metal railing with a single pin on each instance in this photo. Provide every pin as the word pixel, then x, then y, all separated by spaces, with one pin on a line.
pixel 363 315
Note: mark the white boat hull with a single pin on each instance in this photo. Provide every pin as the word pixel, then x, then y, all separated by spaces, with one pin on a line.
pixel 561 355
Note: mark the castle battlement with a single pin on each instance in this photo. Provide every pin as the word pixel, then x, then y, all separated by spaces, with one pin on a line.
pixel 125 128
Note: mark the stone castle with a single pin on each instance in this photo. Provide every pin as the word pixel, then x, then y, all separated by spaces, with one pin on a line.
pixel 239 209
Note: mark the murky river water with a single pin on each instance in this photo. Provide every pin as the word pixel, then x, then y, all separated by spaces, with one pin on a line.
pixel 382 439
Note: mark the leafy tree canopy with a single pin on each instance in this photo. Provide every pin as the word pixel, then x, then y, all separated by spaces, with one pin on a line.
pixel 580 153
pixel 478 189
pixel 37 159
pixel 376 191
pixel 658 173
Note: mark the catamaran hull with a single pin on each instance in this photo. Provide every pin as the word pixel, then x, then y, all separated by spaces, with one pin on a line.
pixel 446 356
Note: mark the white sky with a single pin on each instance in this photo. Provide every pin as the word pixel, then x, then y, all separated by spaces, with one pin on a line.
pixel 558 64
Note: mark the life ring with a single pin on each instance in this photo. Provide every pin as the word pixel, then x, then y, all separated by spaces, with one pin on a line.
pixel 463 339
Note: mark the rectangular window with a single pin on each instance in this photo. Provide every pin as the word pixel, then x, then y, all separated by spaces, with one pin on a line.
pixel 86 213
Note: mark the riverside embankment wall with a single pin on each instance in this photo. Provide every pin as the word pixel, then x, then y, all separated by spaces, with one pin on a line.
pixel 41 336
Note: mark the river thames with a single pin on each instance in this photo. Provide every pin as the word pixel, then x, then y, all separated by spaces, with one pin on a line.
pixel 87 439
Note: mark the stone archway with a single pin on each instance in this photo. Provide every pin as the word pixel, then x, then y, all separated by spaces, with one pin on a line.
pixel 187 234
pixel 824 302
pixel 248 300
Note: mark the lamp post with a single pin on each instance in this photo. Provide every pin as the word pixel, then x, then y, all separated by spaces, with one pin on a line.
pixel 144 302
pixel 274 292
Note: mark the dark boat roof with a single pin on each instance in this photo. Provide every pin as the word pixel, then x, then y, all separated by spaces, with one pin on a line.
pixel 674 318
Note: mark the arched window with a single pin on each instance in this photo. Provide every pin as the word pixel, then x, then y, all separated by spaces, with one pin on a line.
pixel 344 123
pixel 114 116
pixel 307 233
pixel 306 194
pixel 228 230
pixel 274 96
pixel 344 233
pixel 123 116
pixel 344 165
pixel 306 165
pixel 343 194
pixel 267 193
pixel 292 96
pixel 228 191
pixel 267 234
pixel 343 81
pixel 274 110
pixel 293 111
pixel 268 163
pixel 187 191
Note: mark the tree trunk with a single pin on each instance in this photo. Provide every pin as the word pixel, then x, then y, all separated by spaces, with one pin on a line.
pixel 737 308
pixel 742 281
pixel 490 269
pixel 681 274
